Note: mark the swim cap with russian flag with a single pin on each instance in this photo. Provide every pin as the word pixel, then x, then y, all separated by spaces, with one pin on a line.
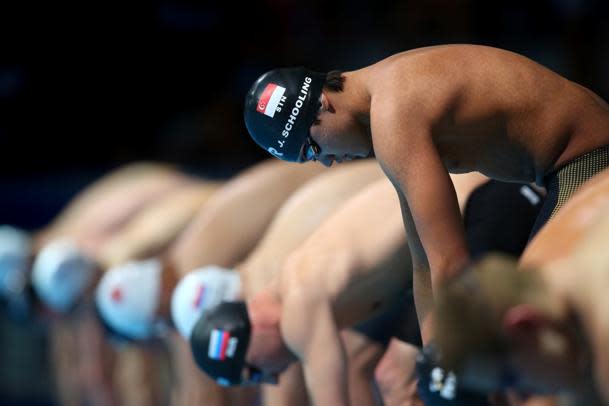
pixel 280 108
pixel 219 342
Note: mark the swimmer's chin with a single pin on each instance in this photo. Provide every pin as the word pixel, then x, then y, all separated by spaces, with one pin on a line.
pixel 345 158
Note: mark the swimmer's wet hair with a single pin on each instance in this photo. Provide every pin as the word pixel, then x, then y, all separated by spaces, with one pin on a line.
pixel 471 306
pixel 334 81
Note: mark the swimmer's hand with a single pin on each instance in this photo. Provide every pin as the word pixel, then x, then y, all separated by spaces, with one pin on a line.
pixel 436 386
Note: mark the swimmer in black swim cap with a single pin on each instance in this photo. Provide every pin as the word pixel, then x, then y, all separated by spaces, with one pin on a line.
pixel 219 344
pixel 283 104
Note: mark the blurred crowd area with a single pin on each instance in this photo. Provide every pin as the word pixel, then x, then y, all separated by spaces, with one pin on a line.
pixel 87 86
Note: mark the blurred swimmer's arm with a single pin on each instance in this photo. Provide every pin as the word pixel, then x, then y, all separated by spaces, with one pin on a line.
pixel 313 336
pixel 235 218
pixel 106 204
pixel 149 232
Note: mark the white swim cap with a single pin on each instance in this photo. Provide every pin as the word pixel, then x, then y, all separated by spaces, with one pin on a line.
pixel 61 273
pixel 128 297
pixel 15 251
pixel 199 291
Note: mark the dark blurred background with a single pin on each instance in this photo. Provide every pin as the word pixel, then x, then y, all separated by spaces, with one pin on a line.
pixel 88 86
pixel 85 87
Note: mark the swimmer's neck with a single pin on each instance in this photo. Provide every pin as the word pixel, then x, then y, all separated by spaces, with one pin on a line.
pixel 356 96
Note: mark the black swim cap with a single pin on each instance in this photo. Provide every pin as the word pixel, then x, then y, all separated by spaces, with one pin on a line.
pixel 280 108
pixel 219 342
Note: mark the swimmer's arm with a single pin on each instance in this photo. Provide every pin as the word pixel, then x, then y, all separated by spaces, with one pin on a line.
pixel 429 204
pixel 310 331
pixel 153 229
pixel 421 277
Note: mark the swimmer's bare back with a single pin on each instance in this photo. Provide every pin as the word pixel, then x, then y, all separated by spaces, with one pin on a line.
pixel 489 110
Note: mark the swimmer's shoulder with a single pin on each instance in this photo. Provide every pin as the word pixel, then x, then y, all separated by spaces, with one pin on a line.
pixel 434 77
pixel 445 59
pixel 439 68
pixel 423 80
pixel 438 53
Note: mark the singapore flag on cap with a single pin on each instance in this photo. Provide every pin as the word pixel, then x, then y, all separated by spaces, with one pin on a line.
pixel 270 98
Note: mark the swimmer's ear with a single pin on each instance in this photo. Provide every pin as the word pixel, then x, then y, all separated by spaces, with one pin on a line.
pixel 326 103
pixel 524 322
